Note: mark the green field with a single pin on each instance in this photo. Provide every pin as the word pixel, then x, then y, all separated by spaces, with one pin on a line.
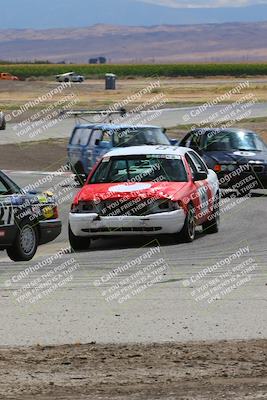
pixel 140 70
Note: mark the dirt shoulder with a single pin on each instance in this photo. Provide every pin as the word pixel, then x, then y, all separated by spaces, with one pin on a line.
pixel 44 155
pixel 222 370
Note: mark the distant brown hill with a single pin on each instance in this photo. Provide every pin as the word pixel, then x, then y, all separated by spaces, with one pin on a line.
pixel 163 43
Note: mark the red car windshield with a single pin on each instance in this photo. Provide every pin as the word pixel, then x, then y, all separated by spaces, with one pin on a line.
pixel 143 168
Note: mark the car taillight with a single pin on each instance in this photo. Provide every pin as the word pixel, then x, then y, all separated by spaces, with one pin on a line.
pixel 217 168
pixel 49 212
pixel 56 212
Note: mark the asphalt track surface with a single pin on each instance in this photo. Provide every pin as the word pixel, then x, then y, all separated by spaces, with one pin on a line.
pixel 169 117
pixel 181 304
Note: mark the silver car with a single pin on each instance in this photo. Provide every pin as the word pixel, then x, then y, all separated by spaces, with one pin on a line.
pixel 70 77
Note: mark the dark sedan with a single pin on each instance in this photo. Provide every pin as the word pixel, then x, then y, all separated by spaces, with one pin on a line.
pixel 26 220
pixel 236 155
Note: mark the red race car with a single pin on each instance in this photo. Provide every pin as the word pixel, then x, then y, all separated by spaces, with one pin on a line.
pixel 145 190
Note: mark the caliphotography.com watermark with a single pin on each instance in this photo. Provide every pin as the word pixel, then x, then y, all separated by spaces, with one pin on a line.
pixel 215 113
pixel 219 280
pixel 134 278
pixel 43 112
pixel 40 282
pixel 147 110
pixel 242 181
pixel 60 185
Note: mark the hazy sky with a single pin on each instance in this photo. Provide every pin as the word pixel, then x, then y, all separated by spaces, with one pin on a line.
pixel 74 13
pixel 203 3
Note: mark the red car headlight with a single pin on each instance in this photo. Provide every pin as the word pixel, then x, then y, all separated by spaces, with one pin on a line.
pixel 84 207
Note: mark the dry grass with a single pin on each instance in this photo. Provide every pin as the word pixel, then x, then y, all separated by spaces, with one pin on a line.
pixel 91 95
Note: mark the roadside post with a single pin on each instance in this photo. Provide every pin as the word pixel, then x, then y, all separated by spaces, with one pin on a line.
pixel 110 80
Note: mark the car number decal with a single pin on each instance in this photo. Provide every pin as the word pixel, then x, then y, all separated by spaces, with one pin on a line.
pixel 6 215
pixel 244 153
pixel 130 187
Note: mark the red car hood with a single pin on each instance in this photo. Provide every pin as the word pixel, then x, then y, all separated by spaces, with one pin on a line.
pixel 114 191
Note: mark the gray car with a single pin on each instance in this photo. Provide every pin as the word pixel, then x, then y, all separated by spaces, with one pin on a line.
pixel 70 77
pixel 2 121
